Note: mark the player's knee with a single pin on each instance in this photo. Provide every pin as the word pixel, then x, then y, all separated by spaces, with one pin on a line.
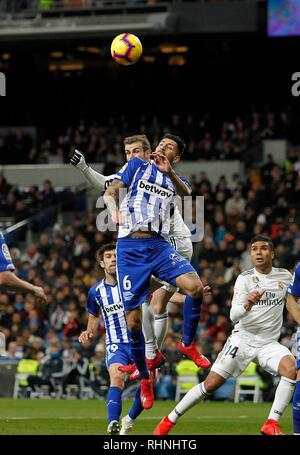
pixel 210 384
pixel 118 381
pixel 134 322
pixel 196 290
pixel 290 372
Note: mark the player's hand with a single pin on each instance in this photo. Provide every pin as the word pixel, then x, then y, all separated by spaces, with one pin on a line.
pixel 40 294
pixel 85 337
pixel 78 160
pixel 253 298
pixel 206 290
pixel 162 162
pixel 117 218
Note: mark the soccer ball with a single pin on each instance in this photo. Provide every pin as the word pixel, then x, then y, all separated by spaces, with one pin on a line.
pixel 126 49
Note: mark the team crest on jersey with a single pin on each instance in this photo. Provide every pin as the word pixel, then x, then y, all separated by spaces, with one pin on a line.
pixel 280 285
pixel 255 279
pixel 127 295
pixel 5 252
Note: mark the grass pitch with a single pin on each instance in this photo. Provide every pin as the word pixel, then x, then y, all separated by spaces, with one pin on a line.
pixel 88 417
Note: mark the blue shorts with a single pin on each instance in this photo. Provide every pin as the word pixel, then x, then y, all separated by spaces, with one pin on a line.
pixel 5 258
pixel 118 353
pixel 138 259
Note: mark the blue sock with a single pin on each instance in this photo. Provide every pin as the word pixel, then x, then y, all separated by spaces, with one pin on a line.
pixel 137 407
pixel 191 315
pixel 137 346
pixel 114 403
pixel 296 408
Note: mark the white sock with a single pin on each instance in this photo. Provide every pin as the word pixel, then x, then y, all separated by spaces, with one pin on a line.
pixel 283 395
pixel 196 394
pixel 148 330
pixel 128 418
pixel 161 327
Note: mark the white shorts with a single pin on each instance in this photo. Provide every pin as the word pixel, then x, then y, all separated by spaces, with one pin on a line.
pixel 237 354
pixel 183 246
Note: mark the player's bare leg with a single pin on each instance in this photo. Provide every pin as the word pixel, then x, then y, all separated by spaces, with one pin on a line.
pixel 194 396
pixel 191 285
pixel 283 395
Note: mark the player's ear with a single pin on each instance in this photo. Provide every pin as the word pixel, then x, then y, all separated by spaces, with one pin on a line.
pixel 176 159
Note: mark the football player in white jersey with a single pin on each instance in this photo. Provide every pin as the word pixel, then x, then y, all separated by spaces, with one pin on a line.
pixel 257 314
pixel 104 298
pixel 154 325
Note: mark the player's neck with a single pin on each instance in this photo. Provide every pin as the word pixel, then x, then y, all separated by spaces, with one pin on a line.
pixel 110 279
pixel 264 269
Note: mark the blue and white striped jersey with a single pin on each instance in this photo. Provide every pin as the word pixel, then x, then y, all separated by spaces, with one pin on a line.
pixel 106 298
pixel 150 201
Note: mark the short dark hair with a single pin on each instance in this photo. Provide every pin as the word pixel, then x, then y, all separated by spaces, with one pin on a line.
pixel 262 238
pixel 102 249
pixel 181 144
pixel 138 138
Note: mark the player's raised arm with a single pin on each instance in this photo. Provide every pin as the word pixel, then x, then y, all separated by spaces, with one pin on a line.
pixel 97 180
pixel 123 179
pixel 11 282
pixel 112 199
pixel 164 165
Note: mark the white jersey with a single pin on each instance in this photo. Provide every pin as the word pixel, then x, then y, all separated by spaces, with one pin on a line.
pixel 263 322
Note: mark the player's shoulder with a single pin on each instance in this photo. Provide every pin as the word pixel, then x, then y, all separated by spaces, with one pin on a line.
pixel 136 162
pixel 297 270
pixel 248 272
pixel 284 272
pixel 94 290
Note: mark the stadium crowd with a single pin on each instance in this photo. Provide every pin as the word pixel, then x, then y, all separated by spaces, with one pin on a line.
pixel 207 137
pixel 63 259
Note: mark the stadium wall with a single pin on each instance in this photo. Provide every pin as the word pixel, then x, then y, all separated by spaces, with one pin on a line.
pixel 64 175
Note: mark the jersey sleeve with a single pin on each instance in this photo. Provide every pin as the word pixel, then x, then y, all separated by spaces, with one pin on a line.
pixel 186 182
pixel 6 262
pixel 127 172
pixel 93 306
pixel 294 287
pixel 239 299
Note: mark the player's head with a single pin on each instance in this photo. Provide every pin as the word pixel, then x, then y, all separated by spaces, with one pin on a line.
pixel 137 146
pixel 106 258
pixel 262 251
pixel 172 146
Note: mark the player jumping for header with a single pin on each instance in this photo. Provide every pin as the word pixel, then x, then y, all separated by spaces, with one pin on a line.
pixel 142 249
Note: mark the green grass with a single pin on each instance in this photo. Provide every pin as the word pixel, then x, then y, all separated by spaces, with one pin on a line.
pixel 88 417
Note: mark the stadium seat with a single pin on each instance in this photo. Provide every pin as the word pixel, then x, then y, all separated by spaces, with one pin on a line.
pixel 226 391
pixel 248 384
